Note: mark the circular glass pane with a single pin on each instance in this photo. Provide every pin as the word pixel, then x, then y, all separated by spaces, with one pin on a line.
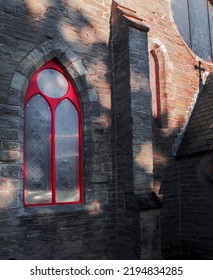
pixel 52 83
pixel 194 21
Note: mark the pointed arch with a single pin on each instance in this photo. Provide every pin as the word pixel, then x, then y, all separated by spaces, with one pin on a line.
pixel 74 68
pixel 45 52
pixel 159 79
pixel 53 139
pixel 155 87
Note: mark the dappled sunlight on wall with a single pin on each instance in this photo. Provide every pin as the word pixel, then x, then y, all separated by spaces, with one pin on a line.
pixel 68 33
pixel 105 100
pixel 94 208
pixel 104 121
pixel 144 157
pixel 8 193
pixel 37 9
pixel 88 29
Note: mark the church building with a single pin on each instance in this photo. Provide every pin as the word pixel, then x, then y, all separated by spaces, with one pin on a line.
pixel 106 129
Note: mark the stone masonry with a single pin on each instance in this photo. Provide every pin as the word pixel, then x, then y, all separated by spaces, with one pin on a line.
pixel 138 195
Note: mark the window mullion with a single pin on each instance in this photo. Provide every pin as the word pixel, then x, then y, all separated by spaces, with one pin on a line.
pixel 49 89
pixel 190 35
pixel 53 156
pixel 209 29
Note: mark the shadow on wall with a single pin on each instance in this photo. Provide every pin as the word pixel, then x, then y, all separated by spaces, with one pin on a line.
pixel 60 19
pixel 90 232
pixel 166 184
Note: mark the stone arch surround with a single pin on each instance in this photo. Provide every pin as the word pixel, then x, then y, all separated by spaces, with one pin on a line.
pixel 92 125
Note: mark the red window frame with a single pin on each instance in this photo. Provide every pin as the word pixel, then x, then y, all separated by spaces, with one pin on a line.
pixel 71 95
pixel 156 106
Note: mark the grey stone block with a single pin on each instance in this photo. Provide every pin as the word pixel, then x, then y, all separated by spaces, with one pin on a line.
pixel 19 82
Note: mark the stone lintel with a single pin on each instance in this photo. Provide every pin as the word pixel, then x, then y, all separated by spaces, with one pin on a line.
pixel 137 24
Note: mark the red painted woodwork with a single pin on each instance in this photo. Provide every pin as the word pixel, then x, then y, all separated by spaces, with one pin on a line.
pixel 155 88
pixel 71 95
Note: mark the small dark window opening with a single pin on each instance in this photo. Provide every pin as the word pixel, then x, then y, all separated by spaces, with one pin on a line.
pixel 155 88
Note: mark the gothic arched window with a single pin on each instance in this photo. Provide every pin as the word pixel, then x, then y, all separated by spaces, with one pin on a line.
pixel 194 19
pixel 52 139
pixel 155 87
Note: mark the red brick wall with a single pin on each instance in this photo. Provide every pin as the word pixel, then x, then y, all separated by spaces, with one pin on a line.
pixel 83 27
pixel 179 85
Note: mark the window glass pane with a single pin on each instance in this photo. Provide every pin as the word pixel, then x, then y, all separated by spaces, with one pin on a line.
pixel 52 83
pixel 37 151
pixel 211 22
pixel 180 15
pixel 200 28
pixel 67 152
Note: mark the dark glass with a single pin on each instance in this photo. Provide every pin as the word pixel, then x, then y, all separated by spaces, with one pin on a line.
pixel 180 15
pixel 38 151
pixel 67 152
pixel 199 26
pixel 52 83
pixel 210 8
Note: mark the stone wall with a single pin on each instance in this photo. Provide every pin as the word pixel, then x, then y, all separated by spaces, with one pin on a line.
pixel 128 160
pixel 196 205
pixel 179 86
pixel 133 130
pixel 76 33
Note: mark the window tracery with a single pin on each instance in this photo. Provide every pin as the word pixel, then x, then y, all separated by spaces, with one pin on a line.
pixel 52 159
